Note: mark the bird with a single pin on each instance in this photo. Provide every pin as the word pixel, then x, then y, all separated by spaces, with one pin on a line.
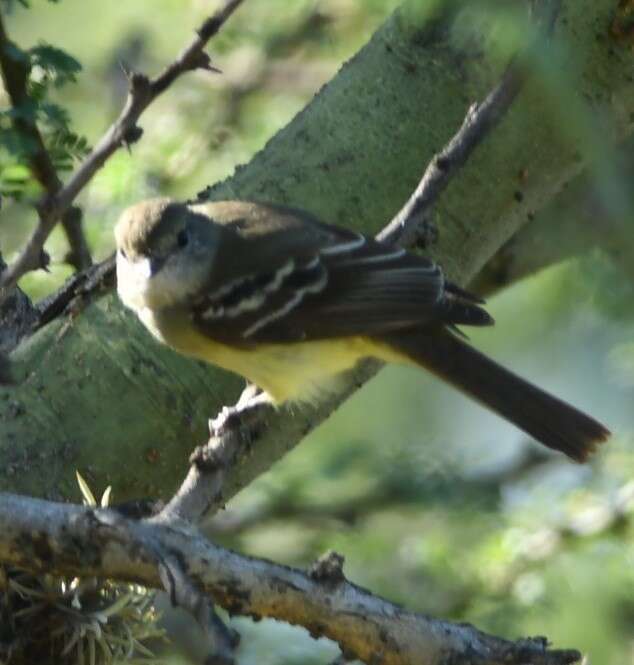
pixel 290 303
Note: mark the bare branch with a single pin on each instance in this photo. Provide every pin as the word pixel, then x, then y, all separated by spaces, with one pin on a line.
pixel 480 120
pixel 124 131
pixel 231 435
pixel 478 123
pixel 76 293
pixel 80 541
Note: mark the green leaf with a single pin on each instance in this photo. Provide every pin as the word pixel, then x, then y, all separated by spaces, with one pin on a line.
pixel 60 66
pixel 18 146
pixel 54 114
pixel 25 111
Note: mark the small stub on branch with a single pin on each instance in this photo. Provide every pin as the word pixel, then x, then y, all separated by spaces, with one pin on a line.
pixel 328 569
pixel 207 458
pixel 202 60
pixel 131 136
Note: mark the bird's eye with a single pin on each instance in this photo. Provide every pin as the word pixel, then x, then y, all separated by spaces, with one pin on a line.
pixel 123 254
pixel 182 239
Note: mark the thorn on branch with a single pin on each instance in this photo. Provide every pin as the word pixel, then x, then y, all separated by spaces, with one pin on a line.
pixel 125 70
pixel 202 60
pixel 472 112
pixel 328 569
pixel 139 82
pixel 131 136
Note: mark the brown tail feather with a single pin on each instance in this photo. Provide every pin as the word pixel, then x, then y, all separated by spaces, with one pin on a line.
pixel 548 419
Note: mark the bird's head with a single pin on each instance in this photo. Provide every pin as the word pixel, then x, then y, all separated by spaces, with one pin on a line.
pixel 165 252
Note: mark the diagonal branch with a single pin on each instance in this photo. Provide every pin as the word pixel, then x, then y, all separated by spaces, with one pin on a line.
pixel 124 131
pixel 80 541
pixel 480 120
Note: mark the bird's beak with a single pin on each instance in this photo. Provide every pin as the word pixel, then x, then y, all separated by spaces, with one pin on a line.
pixel 148 266
pixel 140 269
pixel 156 263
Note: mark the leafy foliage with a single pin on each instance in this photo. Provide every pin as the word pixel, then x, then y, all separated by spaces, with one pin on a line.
pixel 47 68
pixel 58 66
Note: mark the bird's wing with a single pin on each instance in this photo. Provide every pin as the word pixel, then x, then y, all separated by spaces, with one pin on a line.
pixel 337 284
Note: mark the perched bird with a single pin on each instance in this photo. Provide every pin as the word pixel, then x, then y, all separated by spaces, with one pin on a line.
pixel 289 302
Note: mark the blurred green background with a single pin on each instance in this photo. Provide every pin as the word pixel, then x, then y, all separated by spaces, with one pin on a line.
pixel 440 506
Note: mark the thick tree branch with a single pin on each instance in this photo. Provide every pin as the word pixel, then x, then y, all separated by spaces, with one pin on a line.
pixel 124 131
pixel 578 221
pixel 71 540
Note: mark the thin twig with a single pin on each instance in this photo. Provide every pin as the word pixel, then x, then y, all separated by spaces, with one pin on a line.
pixel 230 438
pixel 76 292
pixel 480 120
pixel 143 91
pixel 15 75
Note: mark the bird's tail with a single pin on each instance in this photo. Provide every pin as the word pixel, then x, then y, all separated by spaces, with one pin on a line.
pixel 548 419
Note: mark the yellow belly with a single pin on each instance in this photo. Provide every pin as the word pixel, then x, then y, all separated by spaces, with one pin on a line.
pixel 302 371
